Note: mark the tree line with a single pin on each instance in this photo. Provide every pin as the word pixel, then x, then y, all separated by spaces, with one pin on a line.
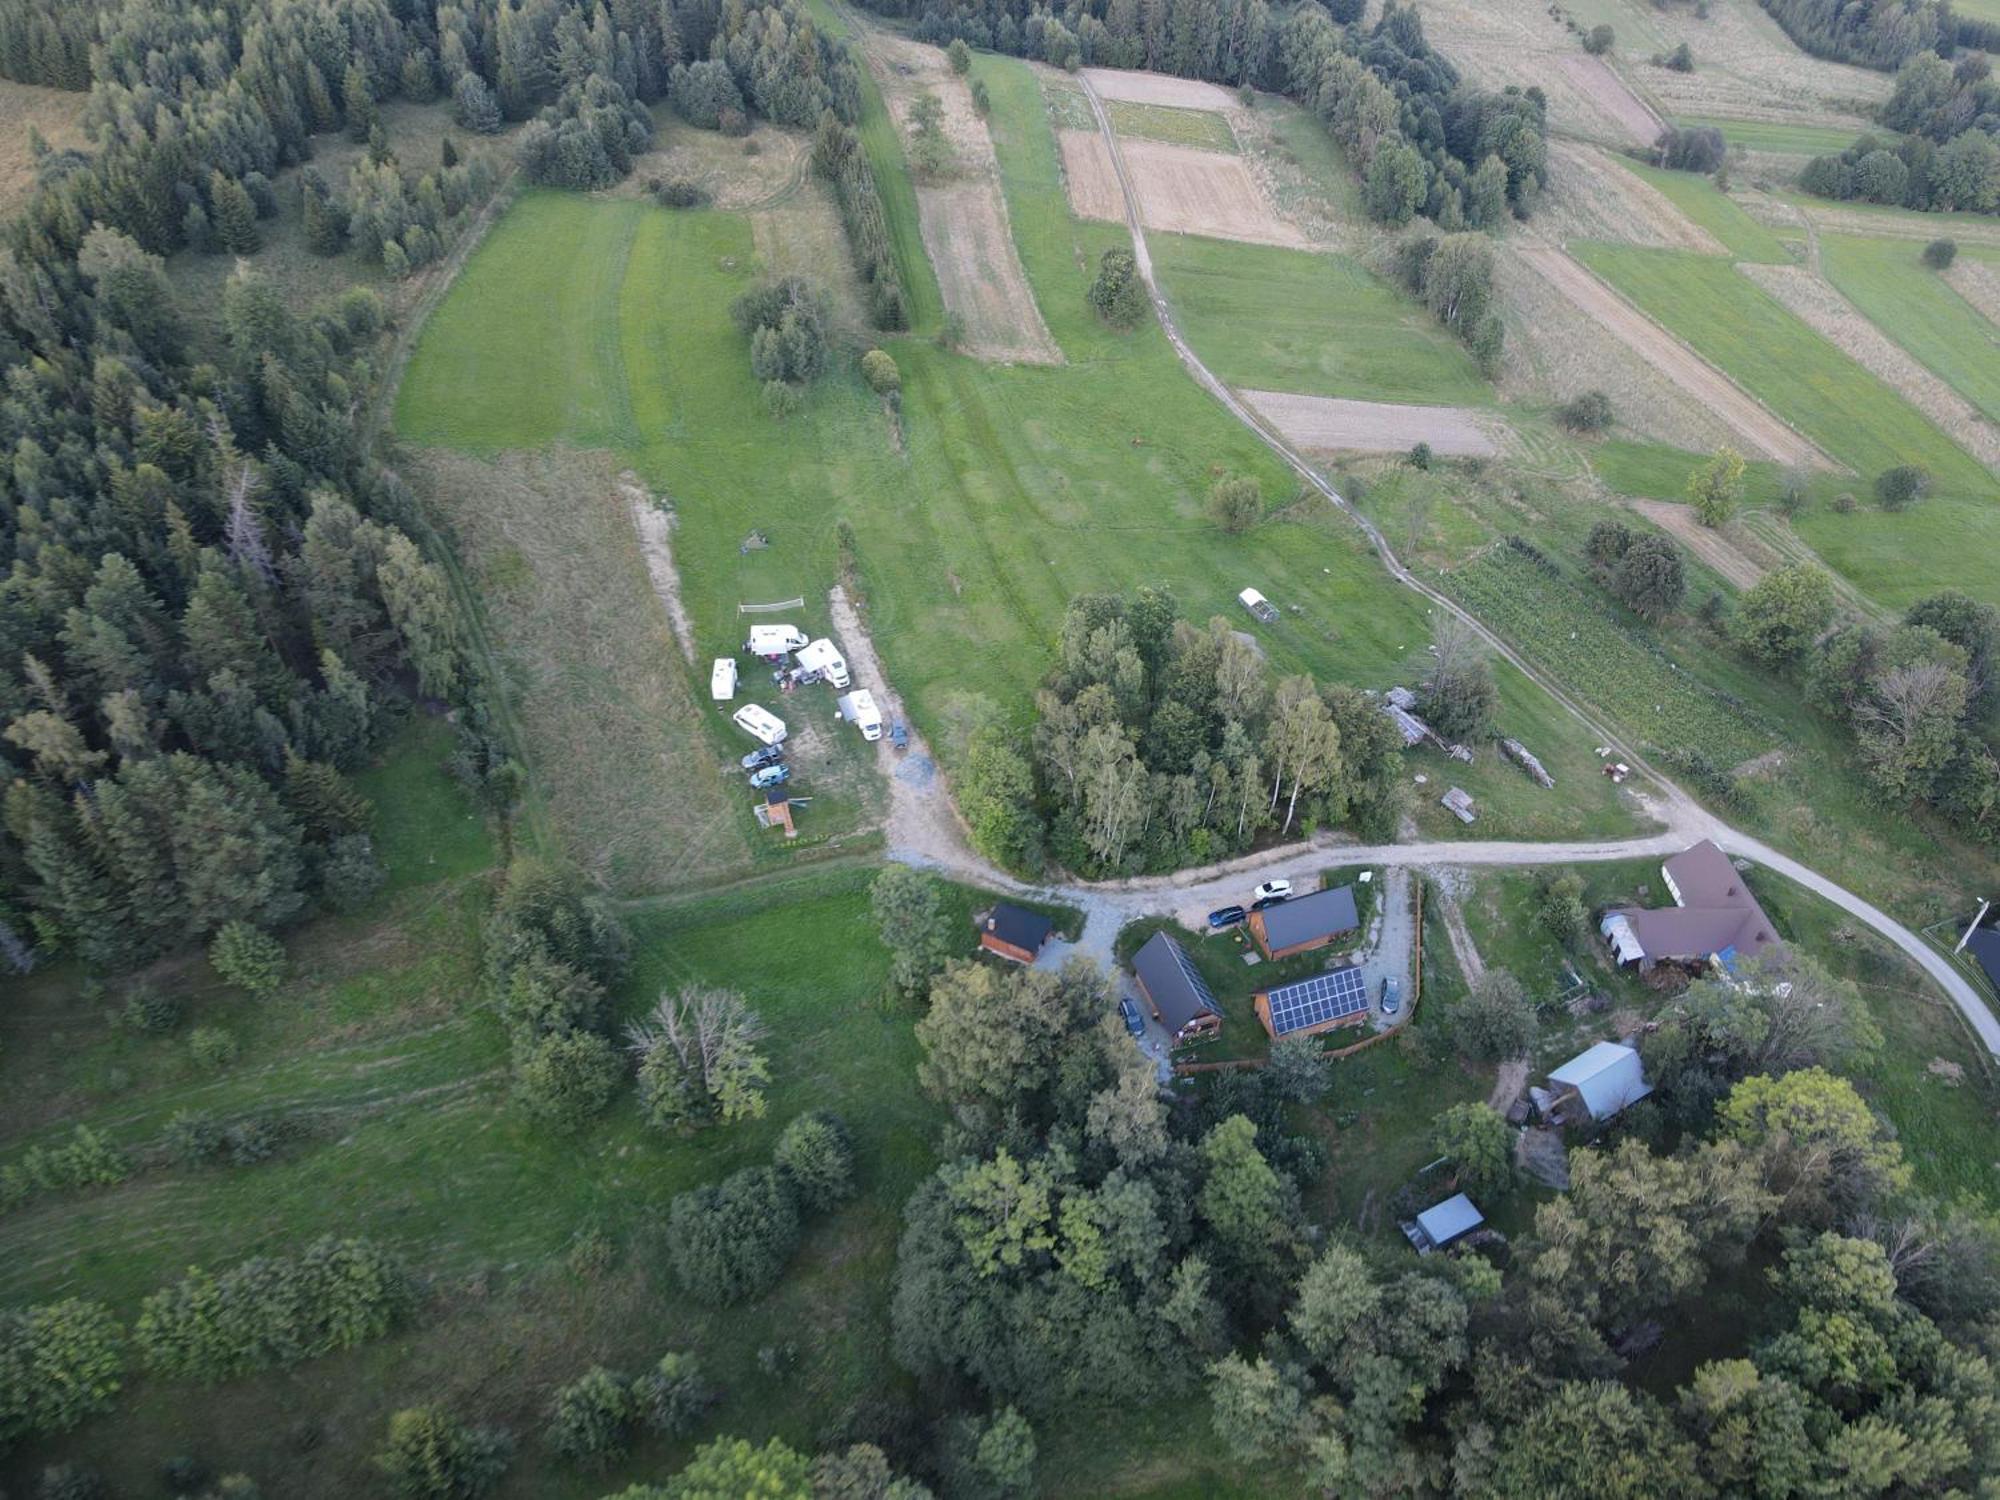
pixel 1421 137
pixel 1882 34
pixel 1946 158
pixel 1157 743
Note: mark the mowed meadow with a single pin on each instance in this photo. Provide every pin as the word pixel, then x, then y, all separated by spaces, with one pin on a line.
pixel 969 521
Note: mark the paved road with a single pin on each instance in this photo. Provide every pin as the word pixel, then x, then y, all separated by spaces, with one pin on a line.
pixel 1108 905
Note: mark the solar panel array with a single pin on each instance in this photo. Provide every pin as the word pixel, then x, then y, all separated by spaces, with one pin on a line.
pixel 1194 978
pixel 1312 1002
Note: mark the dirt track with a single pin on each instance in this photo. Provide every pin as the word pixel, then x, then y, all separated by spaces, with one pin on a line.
pixel 1591 197
pixel 1158 88
pixel 1611 97
pixel 1326 425
pixel 1764 433
pixel 1822 308
pixel 1181 190
pixel 1712 547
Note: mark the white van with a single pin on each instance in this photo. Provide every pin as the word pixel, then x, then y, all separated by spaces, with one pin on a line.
pixel 1258 605
pixel 859 709
pixel 760 724
pixel 823 657
pixel 722 679
pixel 773 641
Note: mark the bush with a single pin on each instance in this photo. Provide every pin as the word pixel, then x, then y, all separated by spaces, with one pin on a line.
pixel 1236 503
pixel 981 101
pixel 213 1047
pixel 1420 456
pixel 248 958
pixel 1494 1020
pixel 59 1363
pixel 432 1456
pixel 1118 294
pixel 590 1421
pixel 781 400
pixel 679 192
pixel 878 368
pixel 1589 412
pixel 155 1012
pixel 1844 503
pixel 71 1482
pixel 732 1240
pixel 670 1397
pixel 1599 40
pixel 1680 60
pixel 960 55
pixel 565 1079
pixel 1902 486
pixel 1701 149
pixel 816 1157
pixel 1939 254
pixel 349 873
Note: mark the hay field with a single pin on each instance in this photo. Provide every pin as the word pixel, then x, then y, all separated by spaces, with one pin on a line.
pixel 1591 196
pixel 1180 189
pixel 1159 88
pixel 1517 43
pixel 1326 424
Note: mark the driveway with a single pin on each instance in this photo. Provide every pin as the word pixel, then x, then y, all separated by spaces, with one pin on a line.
pixel 1394 951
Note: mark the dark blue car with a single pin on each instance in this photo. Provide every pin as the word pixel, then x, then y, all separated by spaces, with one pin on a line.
pixel 1225 917
pixel 1134 1022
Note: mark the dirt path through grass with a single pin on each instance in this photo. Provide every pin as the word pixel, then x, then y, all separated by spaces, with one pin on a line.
pixel 1327 424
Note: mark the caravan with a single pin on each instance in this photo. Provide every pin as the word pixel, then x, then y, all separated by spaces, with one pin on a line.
pixel 772 642
pixel 722 679
pixel 823 657
pixel 859 709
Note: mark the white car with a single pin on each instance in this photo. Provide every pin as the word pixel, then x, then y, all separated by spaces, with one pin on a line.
pixel 1273 890
pixel 760 724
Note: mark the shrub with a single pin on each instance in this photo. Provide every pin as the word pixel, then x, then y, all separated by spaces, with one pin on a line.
pixel 816 1157
pixel 1599 40
pixel 1589 412
pixel 248 958
pixel 1236 503
pixel 71 1482
pixel 1939 254
pixel 732 1240
pixel 213 1047
pixel 591 1418
pixel 432 1456
pixel 1494 1020
pixel 878 368
pixel 1420 456
pixel 981 101
pixel 1902 486
pixel 960 55
pixel 1844 503
pixel 59 1363
pixel 1680 60
pixel 349 873
pixel 566 1078
pixel 679 192
pixel 1700 149
pixel 152 1011
pixel 670 1397
pixel 1118 294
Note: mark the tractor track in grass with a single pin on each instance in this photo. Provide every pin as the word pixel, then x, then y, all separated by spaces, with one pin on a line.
pixel 1684 820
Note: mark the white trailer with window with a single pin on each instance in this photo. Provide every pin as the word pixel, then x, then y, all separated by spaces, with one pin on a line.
pixel 859 709
pixel 722 679
pixel 760 724
pixel 823 657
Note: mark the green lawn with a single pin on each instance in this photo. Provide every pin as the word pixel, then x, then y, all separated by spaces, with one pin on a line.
pixel 1714 210
pixel 1290 320
pixel 1203 129
pixel 1888 281
pixel 1780 138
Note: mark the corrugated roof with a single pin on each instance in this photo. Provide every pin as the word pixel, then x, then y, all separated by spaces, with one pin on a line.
pixel 1450 1219
pixel 1607 1076
pixel 1304 918
pixel 1172 982
pixel 1715 912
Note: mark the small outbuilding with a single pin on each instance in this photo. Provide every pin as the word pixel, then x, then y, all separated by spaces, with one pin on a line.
pixel 1604 1080
pixel 1014 932
pixel 1174 990
pixel 1305 922
pixel 1448 1222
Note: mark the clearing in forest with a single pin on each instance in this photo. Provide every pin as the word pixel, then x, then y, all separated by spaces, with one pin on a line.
pixel 1822 308
pixel 961 212
pixel 1326 424
pixel 1158 88
pixel 1180 190
pixel 1591 197
pixel 1751 422
pixel 56 113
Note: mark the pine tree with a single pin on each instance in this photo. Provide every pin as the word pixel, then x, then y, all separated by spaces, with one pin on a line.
pixel 325 223
pixel 234 215
pixel 425 617
pixel 359 100
pixel 325 803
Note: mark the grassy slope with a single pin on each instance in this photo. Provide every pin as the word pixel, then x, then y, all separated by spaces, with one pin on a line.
pixel 1848 412
pixel 1700 199
pixel 1203 129
pixel 1288 320
pixel 1775 137
pixel 1888 281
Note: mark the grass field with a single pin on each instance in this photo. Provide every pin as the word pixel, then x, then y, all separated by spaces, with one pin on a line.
pixel 1289 320
pixel 1201 128
pixel 1888 281
pixel 1778 138
pixel 1714 210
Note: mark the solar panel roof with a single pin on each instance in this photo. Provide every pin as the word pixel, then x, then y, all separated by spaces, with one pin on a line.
pixel 1310 1002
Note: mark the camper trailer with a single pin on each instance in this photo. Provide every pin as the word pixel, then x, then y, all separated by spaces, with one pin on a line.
pixel 823 657
pixel 772 642
pixel 760 724
pixel 859 709
pixel 722 679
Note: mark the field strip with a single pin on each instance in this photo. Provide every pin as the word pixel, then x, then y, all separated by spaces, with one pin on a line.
pixel 1593 198
pixel 1832 218
pixel 1612 96
pixel 1711 546
pixel 1181 190
pixel 963 217
pixel 1328 423
pixel 655 528
pixel 1159 88
pixel 1743 414
pixel 1979 284
pixel 1817 304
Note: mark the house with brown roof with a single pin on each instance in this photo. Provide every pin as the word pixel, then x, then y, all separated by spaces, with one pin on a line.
pixel 1304 922
pixel 1014 932
pixel 1714 918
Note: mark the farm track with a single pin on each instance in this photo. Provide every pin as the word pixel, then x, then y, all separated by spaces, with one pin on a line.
pixel 1684 820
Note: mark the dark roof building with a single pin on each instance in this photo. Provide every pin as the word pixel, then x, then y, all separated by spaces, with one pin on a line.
pixel 1174 988
pixel 1983 943
pixel 1305 922
pixel 1714 916
pixel 1014 932
pixel 1320 1002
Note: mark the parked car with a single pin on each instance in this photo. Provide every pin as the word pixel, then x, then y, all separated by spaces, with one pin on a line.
pixel 899 735
pixel 1392 996
pixel 762 756
pixel 1224 917
pixel 1272 890
pixel 1134 1022
pixel 772 775
pixel 1269 901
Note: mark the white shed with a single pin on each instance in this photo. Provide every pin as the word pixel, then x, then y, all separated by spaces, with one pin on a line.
pixel 722 679
pixel 1607 1078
